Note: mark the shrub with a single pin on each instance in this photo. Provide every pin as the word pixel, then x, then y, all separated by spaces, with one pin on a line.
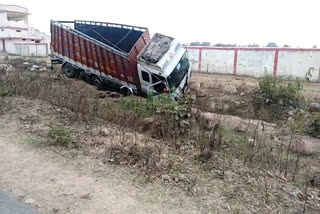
pixel 165 106
pixel 4 91
pixel 313 127
pixel 274 90
pixel 60 136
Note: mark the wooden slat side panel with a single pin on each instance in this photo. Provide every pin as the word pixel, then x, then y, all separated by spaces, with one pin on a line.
pixel 83 52
pixel 120 68
pixel 100 59
pixel 77 50
pixel 71 46
pixel 95 63
pixel 65 47
pixel 113 66
pixel 106 62
pixel 88 53
pixel 59 31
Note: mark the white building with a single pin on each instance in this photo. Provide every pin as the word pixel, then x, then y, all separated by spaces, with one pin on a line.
pixel 17 37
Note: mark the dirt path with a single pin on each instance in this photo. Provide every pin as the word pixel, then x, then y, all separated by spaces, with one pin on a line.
pixel 56 184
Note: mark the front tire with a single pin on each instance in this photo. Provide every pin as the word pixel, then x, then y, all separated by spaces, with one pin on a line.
pixel 69 70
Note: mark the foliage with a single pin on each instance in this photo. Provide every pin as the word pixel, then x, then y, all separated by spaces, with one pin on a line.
pixel 60 136
pixel 272 45
pixel 200 44
pixel 163 105
pixel 312 127
pixel 225 45
pixel 4 91
pixel 274 90
pixel 253 45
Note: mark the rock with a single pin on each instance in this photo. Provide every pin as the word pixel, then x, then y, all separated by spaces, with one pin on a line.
pixel 29 201
pixel 10 69
pixel 32 69
pixel 86 196
pixel 26 63
pixel 43 69
pixel 36 66
pixel 165 177
pixel 114 95
pixel 101 94
pixel 303 144
pixel 231 89
pixel 293 195
pixel 242 94
pixel 213 106
pixel 201 93
pixel 211 85
pixel 226 107
pixel 241 127
pixel 314 107
pixel 195 86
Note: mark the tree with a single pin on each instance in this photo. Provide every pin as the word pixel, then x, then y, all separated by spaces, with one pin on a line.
pixel 286 46
pixel 224 45
pixel 200 44
pixel 253 45
pixel 272 45
pixel 195 44
pixel 314 46
pixel 206 44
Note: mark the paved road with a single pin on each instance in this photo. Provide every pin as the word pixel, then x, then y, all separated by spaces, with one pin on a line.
pixel 8 205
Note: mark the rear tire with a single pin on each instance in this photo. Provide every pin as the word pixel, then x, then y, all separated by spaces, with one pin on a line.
pixel 85 77
pixel 126 91
pixel 97 82
pixel 69 70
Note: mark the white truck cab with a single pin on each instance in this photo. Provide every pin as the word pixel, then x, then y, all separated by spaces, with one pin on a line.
pixel 163 65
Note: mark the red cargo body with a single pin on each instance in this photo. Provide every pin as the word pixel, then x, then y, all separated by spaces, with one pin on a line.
pixel 87 49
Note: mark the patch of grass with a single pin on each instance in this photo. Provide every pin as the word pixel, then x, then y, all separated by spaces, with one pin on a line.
pixel 274 90
pixel 4 91
pixel 60 136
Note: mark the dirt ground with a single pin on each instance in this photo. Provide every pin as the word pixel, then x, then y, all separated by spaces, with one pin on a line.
pixel 58 181
pixel 234 95
pixel 109 172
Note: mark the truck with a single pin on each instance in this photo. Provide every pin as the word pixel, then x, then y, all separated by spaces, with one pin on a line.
pixel 120 57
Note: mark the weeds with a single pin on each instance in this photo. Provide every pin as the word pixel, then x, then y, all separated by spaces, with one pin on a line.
pixel 274 90
pixel 61 136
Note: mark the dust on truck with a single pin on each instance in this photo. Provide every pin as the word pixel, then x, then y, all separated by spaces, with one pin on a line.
pixel 120 56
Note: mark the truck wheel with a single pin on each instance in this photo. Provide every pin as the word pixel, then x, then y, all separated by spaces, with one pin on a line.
pixel 126 91
pixel 85 77
pixel 69 70
pixel 97 82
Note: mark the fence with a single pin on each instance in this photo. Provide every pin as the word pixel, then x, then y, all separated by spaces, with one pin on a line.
pixel 282 62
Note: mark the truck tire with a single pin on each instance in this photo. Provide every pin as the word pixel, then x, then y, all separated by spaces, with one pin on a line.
pixel 85 77
pixel 126 91
pixel 69 70
pixel 97 82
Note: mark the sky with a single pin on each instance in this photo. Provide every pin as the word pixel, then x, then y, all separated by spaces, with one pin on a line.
pixel 242 22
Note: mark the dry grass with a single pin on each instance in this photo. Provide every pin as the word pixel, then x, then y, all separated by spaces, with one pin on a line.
pixel 243 171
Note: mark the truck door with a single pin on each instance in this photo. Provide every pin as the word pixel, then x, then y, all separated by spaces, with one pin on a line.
pixel 145 80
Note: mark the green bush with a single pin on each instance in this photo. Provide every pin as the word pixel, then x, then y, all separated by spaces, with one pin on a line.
pixel 60 136
pixel 4 91
pixel 274 90
pixel 165 106
pixel 313 127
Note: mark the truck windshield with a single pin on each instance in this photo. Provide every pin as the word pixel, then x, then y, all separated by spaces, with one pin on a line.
pixel 179 72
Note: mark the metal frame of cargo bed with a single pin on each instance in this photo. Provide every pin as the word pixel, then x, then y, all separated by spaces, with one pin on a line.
pixel 85 68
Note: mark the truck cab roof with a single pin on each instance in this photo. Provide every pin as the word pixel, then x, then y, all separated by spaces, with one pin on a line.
pixel 161 53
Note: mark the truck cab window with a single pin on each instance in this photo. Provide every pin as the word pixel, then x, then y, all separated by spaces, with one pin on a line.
pixel 160 86
pixel 145 76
